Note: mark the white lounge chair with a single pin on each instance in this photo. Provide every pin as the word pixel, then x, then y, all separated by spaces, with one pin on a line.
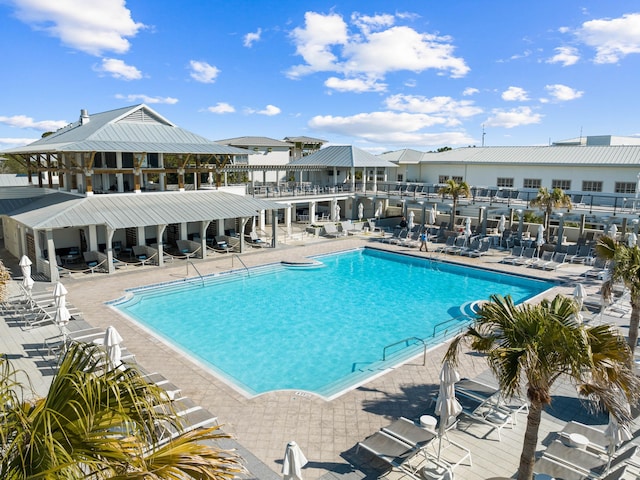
pixel 330 230
pixel 256 241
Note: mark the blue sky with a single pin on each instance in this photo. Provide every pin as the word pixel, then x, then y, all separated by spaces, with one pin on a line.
pixel 378 75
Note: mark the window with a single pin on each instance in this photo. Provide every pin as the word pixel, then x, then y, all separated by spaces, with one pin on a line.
pixel 532 183
pixel 127 160
pixel 443 178
pixel 625 187
pixel 457 179
pixel 591 186
pixel 110 159
pixel 561 184
pixel 400 177
pixel 505 182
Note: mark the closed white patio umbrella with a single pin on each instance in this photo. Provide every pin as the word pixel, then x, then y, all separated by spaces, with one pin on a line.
pixel 337 212
pixel 293 462
pixel 411 223
pixel 502 224
pixel 632 239
pixel 360 211
pixel 467 227
pixel 378 210
pixel 60 298
pixel 111 343
pixel 27 281
pixel 433 215
pixel 447 406
pixel 540 237
pixel 613 230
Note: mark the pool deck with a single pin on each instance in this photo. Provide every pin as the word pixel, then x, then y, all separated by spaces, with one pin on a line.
pixel 326 431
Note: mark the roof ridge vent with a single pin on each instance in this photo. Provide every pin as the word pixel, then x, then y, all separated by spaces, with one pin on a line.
pixel 84 116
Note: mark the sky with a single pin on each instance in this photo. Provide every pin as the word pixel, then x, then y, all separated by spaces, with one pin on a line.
pixel 378 75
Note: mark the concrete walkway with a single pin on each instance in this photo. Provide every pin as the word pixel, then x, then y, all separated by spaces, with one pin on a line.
pixel 327 432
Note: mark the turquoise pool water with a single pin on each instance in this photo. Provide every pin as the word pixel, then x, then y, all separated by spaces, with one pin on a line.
pixel 321 330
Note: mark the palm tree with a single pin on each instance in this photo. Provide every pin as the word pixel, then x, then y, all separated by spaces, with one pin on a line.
pixel 547 201
pixel 454 190
pixel 536 345
pixel 624 266
pixel 100 424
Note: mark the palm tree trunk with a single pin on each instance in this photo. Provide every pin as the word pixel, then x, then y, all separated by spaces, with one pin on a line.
pixel 527 458
pixel 634 323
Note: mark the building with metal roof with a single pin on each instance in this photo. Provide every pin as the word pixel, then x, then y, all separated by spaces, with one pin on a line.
pixel 124 150
pixel 574 168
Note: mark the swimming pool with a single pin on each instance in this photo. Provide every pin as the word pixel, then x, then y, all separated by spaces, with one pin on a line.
pixel 321 330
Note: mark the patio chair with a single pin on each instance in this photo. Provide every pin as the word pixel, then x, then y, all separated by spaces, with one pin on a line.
pixel 221 245
pixel 392 451
pixel 528 256
pixel 407 431
pixel 542 260
pixel 514 254
pixel 188 413
pixel 599 268
pixel 482 248
pixel 491 396
pixel 256 241
pixel 330 230
pixel 457 247
pixel 583 255
pixel 556 262
pixel 494 416
pixel 449 243
pixel 591 464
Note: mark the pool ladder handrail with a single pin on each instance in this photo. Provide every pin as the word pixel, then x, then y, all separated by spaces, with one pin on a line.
pixel 445 322
pixel 197 271
pixel 243 264
pixel 420 340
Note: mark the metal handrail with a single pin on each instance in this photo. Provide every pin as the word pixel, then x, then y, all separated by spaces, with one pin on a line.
pixel 454 319
pixel 189 262
pixel 240 260
pixel 420 340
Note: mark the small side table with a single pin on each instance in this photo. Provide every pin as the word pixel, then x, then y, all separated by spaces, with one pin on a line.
pixel 428 423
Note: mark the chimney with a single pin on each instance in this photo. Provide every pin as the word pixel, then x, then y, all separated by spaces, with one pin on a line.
pixel 84 116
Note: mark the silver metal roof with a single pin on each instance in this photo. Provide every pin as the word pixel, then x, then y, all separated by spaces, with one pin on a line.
pixel 405 156
pixel 60 210
pixel 345 156
pixel 552 155
pixel 131 129
pixel 254 142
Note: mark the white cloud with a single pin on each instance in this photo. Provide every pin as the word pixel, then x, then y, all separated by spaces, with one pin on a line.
pixel 612 39
pixel 314 42
pixel 221 107
pixel 513 118
pixel 91 26
pixel 203 72
pixel 515 94
pixel 470 91
pixel 118 69
pixel 565 55
pixel 377 49
pixel 355 85
pixel 137 97
pixel 22 121
pixel 563 93
pixel 367 23
pixel 15 142
pixel 442 106
pixel 251 38
pixel 269 111
pixel 390 128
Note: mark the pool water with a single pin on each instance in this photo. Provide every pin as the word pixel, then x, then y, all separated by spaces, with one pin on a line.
pixel 321 330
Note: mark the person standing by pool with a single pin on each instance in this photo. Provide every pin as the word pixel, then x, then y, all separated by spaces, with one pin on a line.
pixel 423 238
